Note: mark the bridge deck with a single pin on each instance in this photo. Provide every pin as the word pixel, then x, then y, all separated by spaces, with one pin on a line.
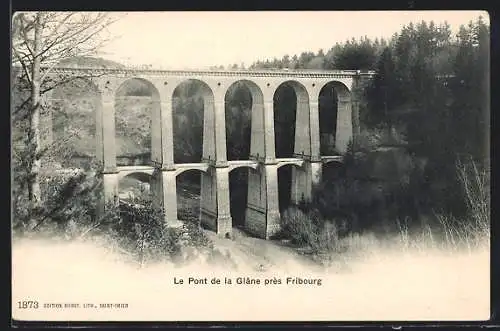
pixel 202 166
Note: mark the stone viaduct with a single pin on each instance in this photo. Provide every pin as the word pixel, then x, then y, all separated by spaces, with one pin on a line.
pixel 262 211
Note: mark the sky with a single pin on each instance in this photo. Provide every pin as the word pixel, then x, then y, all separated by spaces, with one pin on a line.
pixel 198 40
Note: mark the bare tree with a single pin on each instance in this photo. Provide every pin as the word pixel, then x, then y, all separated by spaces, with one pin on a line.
pixel 40 41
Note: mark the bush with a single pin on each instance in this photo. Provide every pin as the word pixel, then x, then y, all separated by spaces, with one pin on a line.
pixel 475 182
pixel 310 230
pixel 68 196
pixel 193 235
pixel 298 227
pixel 140 230
pixel 327 239
pixel 369 140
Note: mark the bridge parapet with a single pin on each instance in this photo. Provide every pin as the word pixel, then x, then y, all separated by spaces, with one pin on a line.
pixel 304 73
pixel 306 157
pixel 257 158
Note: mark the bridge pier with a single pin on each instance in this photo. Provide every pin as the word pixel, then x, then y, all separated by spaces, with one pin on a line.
pixel 301 184
pixel 344 125
pixel 109 195
pixel 164 195
pixel 315 168
pixel 303 181
pixel 262 217
pixel 215 211
pixel 106 151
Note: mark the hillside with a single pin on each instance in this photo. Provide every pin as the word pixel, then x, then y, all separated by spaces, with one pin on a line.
pixel 92 62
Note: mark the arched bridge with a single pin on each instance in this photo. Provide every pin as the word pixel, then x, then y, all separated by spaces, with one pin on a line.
pixel 262 212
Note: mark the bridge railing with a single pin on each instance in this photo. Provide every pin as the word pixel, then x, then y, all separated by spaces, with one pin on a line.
pixel 302 156
pixel 172 71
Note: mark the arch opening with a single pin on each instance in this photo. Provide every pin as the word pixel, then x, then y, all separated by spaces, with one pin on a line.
pixel 134 185
pixel 238 195
pixel 68 125
pixel 136 100
pixel 285 109
pixel 241 99
pixel 285 186
pixel 191 101
pixel 331 101
pixel 291 120
pixel 188 194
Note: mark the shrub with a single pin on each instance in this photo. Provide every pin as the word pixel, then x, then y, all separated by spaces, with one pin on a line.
pixel 310 230
pixel 476 192
pixel 455 232
pixel 140 230
pixel 369 140
pixel 327 239
pixel 71 195
pixel 298 227
pixel 193 235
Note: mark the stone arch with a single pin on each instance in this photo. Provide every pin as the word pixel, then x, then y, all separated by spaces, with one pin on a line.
pixel 327 161
pixel 68 117
pixel 239 115
pixel 239 166
pixel 143 87
pixel 136 101
pixel 294 164
pixel 292 130
pixel 193 109
pixel 335 119
pixel 141 176
pixel 180 171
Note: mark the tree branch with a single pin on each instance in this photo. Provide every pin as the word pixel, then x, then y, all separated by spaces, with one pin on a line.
pixel 56 29
pixel 24 32
pixel 26 71
pixel 69 40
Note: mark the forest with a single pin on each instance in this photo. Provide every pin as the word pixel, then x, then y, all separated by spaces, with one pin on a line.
pixel 420 158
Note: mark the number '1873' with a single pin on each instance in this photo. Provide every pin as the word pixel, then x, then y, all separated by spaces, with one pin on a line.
pixel 27 304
